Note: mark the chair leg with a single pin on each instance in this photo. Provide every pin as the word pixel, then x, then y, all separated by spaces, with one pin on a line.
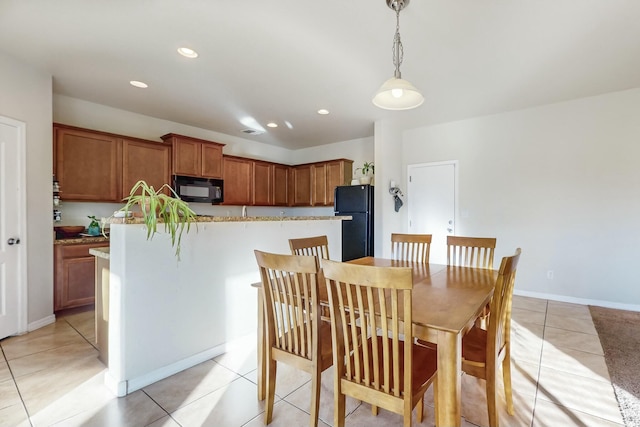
pixel 374 410
pixel 339 403
pixel 315 395
pixel 492 408
pixel 420 410
pixel 506 376
pixel 271 389
pixel 435 393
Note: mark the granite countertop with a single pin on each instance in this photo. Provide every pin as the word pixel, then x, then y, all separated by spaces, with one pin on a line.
pixel 212 218
pixel 81 239
pixel 101 252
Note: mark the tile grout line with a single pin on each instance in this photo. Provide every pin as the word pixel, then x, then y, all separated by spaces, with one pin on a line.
pixel 13 378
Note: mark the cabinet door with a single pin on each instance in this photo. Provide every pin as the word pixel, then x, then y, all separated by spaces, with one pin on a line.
pixel 319 184
pixel 187 157
pixel 338 173
pixel 301 181
pixel 238 176
pixel 88 165
pixel 148 161
pixel 262 183
pixel 281 185
pixel 74 275
pixel 211 161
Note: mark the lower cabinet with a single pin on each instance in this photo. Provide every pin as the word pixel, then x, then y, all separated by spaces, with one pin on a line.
pixel 74 275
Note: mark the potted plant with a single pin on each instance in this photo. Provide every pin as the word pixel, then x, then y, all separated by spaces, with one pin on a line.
pixel 156 206
pixel 365 169
pixel 94 226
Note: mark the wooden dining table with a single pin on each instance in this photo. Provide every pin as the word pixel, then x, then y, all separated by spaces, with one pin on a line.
pixel 446 302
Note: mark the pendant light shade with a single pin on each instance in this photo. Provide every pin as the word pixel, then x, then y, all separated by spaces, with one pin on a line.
pixel 397 93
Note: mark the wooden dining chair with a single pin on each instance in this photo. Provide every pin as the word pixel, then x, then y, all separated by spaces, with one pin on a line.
pixel 474 252
pixel 484 350
pixel 317 246
pixel 294 333
pixel 375 359
pixel 410 247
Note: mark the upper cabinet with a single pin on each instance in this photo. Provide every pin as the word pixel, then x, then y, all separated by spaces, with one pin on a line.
pixel 102 167
pixel 238 178
pixel 281 184
pixel 314 183
pixel 262 188
pixel 88 164
pixel 143 160
pixel 195 157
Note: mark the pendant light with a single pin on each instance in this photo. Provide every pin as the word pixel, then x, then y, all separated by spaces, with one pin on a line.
pixel 397 93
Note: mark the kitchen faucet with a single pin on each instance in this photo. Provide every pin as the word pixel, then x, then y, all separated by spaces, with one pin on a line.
pixel 244 212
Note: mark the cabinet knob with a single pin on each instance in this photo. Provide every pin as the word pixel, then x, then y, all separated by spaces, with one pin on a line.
pixel 13 241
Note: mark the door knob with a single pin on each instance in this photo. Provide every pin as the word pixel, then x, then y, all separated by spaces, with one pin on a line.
pixel 13 241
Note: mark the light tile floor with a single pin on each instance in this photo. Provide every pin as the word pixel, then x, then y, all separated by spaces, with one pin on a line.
pixel 52 376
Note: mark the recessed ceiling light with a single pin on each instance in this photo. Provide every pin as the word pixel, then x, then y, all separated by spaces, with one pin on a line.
pixel 136 83
pixel 272 125
pixel 323 111
pixel 186 52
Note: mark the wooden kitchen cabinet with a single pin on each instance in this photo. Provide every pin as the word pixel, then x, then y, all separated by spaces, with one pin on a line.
pixel 281 184
pixel 195 157
pixel 314 183
pixel 262 187
pixel 338 172
pixel 238 180
pixel 318 184
pixel 74 275
pixel 145 160
pixel 301 185
pixel 88 164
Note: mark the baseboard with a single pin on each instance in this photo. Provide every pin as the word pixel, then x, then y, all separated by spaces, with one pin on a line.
pixel 123 388
pixel 582 301
pixel 40 323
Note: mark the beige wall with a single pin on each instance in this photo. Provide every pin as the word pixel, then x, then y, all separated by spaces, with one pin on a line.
pixel 561 181
pixel 26 96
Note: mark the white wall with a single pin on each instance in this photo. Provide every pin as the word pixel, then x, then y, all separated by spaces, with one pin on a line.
pixel 561 181
pixel 25 95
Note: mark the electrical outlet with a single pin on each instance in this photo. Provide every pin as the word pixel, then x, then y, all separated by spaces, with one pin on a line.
pixel 550 274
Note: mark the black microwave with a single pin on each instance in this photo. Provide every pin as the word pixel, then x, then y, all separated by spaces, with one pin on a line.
pixel 202 190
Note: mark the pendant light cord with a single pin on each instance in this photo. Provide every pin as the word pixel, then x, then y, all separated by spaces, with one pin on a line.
pixel 398 52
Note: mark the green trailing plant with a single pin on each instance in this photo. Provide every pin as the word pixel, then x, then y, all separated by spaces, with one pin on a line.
pixel 366 167
pixel 156 206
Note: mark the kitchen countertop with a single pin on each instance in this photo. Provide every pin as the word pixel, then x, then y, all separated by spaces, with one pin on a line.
pixel 212 218
pixel 101 252
pixel 80 239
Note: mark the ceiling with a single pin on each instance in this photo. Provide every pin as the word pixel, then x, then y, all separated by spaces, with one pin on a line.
pixel 281 61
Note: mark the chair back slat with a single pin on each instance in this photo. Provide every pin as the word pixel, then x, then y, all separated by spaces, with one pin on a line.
pixel 411 247
pixel 311 246
pixel 474 252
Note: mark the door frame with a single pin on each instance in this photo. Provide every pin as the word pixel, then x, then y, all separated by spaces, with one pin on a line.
pixel 21 205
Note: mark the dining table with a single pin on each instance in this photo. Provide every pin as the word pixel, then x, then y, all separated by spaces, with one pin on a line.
pixel 446 301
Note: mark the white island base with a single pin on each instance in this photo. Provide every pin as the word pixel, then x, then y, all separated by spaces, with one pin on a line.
pixel 166 316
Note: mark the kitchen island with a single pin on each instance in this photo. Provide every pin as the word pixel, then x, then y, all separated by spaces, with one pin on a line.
pixel 167 315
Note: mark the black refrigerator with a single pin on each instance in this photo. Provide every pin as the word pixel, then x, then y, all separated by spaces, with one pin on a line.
pixel 357 234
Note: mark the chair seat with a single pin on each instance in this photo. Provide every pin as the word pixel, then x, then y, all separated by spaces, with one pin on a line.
pixel 474 345
pixel 424 363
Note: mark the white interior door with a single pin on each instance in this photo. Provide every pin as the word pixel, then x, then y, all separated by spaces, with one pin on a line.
pixel 12 299
pixel 432 204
